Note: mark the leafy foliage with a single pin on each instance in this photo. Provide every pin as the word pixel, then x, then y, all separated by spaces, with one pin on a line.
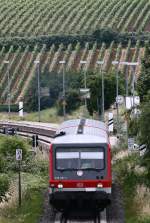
pixel 141 127
pixel 133 127
pixel 106 35
pixel 94 83
pixel 9 145
pixel 54 82
pixel 144 123
pixel 128 176
pixel 143 84
pixel 4 185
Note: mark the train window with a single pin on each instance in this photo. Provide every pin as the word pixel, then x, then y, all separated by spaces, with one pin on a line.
pixel 92 160
pixel 67 160
pixel 79 158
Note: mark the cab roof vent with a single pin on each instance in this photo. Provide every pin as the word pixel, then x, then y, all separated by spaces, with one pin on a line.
pixel 81 126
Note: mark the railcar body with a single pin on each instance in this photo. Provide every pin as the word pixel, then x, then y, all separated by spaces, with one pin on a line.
pixel 80 165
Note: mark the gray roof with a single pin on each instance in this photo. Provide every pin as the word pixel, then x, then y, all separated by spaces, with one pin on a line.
pixel 93 132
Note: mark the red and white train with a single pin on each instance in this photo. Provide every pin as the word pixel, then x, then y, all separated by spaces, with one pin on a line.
pixel 80 165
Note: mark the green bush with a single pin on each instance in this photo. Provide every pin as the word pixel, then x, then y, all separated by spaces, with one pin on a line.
pixel 9 145
pixel 4 108
pixel 2 164
pixel 72 101
pixel 32 165
pixel 54 82
pixel 99 36
pixel 4 185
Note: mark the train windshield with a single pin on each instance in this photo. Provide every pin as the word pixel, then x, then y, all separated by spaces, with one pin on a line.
pixel 80 159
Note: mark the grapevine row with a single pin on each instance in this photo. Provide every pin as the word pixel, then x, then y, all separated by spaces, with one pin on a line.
pixel 22 67
pixel 31 17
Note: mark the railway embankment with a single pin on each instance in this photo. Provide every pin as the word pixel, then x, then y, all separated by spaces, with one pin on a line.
pixel 33 182
pixel 132 178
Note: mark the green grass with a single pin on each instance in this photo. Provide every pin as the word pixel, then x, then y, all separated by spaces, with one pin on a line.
pixel 34 181
pixel 32 201
pixel 48 115
pixel 29 212
pixel 129 179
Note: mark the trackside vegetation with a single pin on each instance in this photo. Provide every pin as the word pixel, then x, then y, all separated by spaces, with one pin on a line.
pixel 34 171
pixel 131 168
pixel 135 186
pixel 139 127
pixel 73 82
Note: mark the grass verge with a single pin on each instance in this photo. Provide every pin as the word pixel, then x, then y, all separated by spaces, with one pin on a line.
pixel 32 201
pixel 133 180
pixel 29 212
pixel 47 115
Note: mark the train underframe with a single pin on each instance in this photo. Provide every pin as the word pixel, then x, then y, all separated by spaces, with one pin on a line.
pixel 79 200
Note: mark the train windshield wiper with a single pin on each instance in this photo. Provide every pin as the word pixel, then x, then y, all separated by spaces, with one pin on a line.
pixel 66 169
pixel 88 168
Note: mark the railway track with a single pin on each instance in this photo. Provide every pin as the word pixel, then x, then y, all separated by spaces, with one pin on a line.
pixel 45 131
pixel 45 134
pixel 42 129
pixel 65 218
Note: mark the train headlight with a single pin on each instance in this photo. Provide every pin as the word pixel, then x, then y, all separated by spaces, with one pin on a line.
pixel 99 185
pixel 60 186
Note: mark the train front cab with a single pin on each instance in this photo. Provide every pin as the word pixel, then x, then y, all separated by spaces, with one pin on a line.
pixel 80 175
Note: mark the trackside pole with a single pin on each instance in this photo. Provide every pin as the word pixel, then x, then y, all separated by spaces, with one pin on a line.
pixel 21 108
pixel 19 158
pixel 19 183
pixel 110 122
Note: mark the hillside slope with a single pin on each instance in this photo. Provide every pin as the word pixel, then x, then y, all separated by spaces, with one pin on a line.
pixel 58 19
pixel 22 67
pixel 38 17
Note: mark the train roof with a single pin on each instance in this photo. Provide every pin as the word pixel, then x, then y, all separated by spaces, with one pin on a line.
pixel 82 131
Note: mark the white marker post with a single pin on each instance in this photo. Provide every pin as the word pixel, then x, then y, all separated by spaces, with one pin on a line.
pixel 19 158
pixel 130 144
pixel 21 108
pixel 110 122
pixel 142 149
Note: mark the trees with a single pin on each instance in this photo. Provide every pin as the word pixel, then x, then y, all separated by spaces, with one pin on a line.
pixel 143 84
pixel 94 83
pixel 144 124
pixel 73 82
pixel 54 82
pixel 144 133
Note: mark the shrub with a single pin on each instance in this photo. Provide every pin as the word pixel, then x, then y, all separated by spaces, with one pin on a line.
pixel 2 164
pixel 8 148
pixel 4 185
pixel 9 145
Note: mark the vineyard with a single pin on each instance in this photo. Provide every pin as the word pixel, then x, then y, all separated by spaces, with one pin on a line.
pixel 22 68
pixel 27 20
pixel 38 17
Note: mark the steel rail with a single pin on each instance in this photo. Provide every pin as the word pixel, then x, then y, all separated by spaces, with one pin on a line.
pixel 42 129
pixel 26 129
pixel 100 218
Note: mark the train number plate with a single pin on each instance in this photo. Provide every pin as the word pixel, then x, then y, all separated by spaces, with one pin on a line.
pixel 80 185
